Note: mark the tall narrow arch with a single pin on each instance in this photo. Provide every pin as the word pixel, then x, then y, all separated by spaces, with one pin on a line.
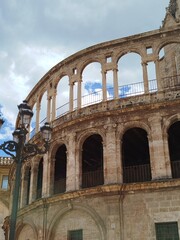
pixel 91 84
pixel 130 75
pixel 169 64
pixel 62 99
pixel 135 156
pixel 60 170
pixel 92 161
pixel 174 148
pixel 40 179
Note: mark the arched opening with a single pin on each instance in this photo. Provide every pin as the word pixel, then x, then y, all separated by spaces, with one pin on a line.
pixel 130 75
pixel 27 179
pixel 33 122
pixel 91 84
pixel 62 99
pixel 174 148
pixel 43 109
pixel 60 170
pixel 40 179
pixel 169 64
pixel 92 161
pixel 135 156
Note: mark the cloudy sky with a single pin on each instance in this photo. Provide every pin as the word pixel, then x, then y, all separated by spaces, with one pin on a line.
pixel 36 35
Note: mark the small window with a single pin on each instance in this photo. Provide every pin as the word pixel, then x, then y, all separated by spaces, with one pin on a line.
pixel 108 59
pixel 149 50
pixel 4 184
pixel 75 235
pixel 167 231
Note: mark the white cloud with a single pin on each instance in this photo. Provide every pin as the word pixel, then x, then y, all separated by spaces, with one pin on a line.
pixel 35 35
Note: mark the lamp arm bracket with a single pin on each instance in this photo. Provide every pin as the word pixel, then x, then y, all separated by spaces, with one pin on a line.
pixel 31 150
pixel 10 148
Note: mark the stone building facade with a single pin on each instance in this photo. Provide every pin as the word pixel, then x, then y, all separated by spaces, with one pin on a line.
pixel 113 167
pixel 5 165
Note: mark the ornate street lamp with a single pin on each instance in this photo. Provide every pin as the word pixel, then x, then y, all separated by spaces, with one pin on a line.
pixel 19 150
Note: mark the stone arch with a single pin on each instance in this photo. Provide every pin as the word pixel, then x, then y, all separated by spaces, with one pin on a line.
pixel 135 155
pixel 85 134
pixel 83 209
pixel 26 227
pixel 92 161
pixel 60 169
pixel 55 145
pixel 87 62
pixel 171 135
pixel 130 74
pixel 62 96
pixel 163 44
pixel 134 124
pixel 122 53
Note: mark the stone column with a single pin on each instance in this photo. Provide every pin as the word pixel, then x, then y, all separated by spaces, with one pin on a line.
pixel 79 94
pixel 145 77
pixel 71 164
pixel 45 176
pixel 115 80
pixel 50 180
pixel 33 181
pixel 156 147
pixel 54 105
pixel 48 109
pixel 159 84
pixel 111 165
pixel 104 86
pixel 38 107
pixel 78 160
pixel 24 187
pixel 71 96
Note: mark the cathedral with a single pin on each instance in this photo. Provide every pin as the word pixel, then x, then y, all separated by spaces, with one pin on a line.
pixel 113 167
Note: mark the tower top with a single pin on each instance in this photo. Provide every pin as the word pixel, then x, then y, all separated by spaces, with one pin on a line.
pixel 173 14
pixel 173 8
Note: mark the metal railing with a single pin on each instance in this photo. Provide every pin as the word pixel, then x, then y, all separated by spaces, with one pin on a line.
pixel 171 81
pixel 124 91
pixel 175 167
pixel 60 186
pixel 138 173
pixel 92 179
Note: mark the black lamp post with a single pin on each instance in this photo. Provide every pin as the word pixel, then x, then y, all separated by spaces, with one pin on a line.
pixel 20 151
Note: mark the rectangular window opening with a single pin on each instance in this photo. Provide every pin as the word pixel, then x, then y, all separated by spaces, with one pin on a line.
pixel 4 184
pixel 149 50
pixel 75 234
pixel 167 231
pixel 108 59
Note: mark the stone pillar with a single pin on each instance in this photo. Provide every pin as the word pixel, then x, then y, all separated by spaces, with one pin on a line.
pixel 159 84
pixel 71 96
pixel 104 85
pixel 48 109
pixel 79 94
pixel 50 180
pixel 71 164
pixel 38 107
pixel 167 155
pixel 115 80
pixel 54 105
pixel 78 160
pixel 33 181
pixel 24 187
pixel 145 77
pixel 156 147
pixel 45 176
pixel 111 163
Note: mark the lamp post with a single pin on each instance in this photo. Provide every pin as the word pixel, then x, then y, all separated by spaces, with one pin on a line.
pixel 20 150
